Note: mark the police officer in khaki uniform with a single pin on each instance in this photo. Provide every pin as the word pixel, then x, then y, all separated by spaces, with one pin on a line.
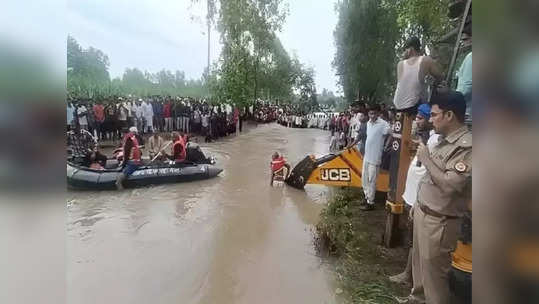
pixel 442 199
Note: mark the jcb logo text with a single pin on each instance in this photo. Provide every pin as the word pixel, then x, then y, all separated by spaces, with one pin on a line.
pixel 335 175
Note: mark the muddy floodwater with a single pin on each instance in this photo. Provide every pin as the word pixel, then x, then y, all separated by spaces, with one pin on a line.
pixel 231 239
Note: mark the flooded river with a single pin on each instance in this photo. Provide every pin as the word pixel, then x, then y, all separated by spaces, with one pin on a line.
pixel 231 239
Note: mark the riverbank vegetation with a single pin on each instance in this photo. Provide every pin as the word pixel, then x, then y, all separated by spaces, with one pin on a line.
pixel 353 238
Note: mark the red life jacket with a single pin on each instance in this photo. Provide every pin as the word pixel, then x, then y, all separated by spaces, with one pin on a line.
pixel 183 154
pixel 135 154
pixel 277 163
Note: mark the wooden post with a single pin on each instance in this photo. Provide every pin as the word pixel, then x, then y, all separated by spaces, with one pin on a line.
pixel 398 170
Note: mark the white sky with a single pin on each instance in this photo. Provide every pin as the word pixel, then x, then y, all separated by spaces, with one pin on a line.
pixel 171 34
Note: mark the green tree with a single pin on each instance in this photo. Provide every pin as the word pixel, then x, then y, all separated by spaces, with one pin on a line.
pixel 136 82
pixel 253 62
pixel 366 36
pixel 426 19
pixel 87 69
pixel 369 35
pixel 327 98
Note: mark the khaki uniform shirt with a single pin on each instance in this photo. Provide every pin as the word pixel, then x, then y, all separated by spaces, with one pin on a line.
pixel 447 186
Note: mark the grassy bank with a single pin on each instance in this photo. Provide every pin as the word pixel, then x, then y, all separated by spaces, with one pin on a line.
pixel 354 237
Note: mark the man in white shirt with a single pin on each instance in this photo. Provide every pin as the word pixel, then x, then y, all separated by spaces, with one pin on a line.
pixel 70 115
pixel 377 130
pixel 81 114
pixel 205 121
pixel 147 112
pixel 122 116
pixel 137 108
pixel 355 123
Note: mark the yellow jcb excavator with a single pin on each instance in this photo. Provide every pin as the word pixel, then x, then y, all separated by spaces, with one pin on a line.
pixel 341 169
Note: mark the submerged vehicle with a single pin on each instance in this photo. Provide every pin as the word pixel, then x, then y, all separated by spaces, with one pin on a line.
pixel 197 167
pixel 342 169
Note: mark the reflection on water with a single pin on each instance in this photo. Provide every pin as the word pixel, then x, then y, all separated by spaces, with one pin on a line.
pixel 231 239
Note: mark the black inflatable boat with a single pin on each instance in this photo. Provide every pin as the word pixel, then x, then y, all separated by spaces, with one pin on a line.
pixel 85 178
pixel 198 167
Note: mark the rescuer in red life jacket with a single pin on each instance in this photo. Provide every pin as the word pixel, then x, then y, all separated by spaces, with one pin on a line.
pixel 179 148
pixel 277 164
pixel 132 156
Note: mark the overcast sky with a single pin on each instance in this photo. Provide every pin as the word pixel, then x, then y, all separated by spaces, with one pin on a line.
pixel 171 34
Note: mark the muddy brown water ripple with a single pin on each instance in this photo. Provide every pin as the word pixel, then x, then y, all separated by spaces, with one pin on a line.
pixel 231 239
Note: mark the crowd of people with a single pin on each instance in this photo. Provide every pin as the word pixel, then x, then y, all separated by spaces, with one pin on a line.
pixel 110 119
pixel 266 113
pixel 292 119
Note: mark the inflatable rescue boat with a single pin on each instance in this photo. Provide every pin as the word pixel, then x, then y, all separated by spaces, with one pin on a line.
pixel 197 167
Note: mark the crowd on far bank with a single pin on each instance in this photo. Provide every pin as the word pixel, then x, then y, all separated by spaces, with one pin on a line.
pixel 109 119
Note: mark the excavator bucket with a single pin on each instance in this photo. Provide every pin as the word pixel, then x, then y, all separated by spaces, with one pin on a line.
pixel 342 169
pixel 301 172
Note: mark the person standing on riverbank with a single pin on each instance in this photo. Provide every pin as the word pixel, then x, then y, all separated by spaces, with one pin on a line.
pixel 416 171
pixel 205 121
pixel 167 114
pixel 81 116
pixel 138 114
pixel 361 133
pixel 147 112
pixel 443 196
pixel 196 120
pixel 70 116
pixel 377 130
pixel 99 114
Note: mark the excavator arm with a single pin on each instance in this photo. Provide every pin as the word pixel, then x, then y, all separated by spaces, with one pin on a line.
pixel 342 169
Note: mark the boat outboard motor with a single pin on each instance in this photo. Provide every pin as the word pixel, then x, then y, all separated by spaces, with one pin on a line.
pixel 195 155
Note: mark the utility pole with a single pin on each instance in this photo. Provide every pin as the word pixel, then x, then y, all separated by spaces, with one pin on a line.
pixel 208 20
